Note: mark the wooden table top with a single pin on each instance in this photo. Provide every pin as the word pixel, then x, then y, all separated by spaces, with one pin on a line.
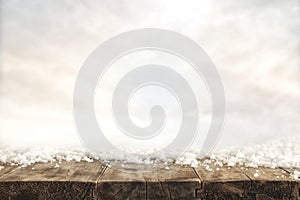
pixel 95 180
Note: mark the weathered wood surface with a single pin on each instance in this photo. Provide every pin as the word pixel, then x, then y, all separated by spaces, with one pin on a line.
pixel 174 183
pixel 83 180
pixel 222 183
pixel 270 183
pixel 71 180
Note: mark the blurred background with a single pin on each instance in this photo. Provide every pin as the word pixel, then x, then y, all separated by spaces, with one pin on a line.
pixel 255 45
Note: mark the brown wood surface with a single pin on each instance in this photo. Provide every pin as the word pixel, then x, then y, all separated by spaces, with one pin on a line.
pixel 83 180
pixel 222 183
pixel 267 183
pixel 175 183
pixel 71 180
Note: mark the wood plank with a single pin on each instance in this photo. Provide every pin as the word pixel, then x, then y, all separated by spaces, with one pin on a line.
pixel 291 171
pixel 222 182
pixel 116 184
pixel 270 183
pixel 83 180
pixel 71 180
pixel 83 171
pixel 295 185
pixel 175 183
pixel 67 171
pixel 6 169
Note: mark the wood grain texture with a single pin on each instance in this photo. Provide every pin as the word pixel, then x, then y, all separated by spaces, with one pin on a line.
pixel 295 185
pixel 71 180
pixel 267 183
pixel 177 182
pixel 222 183
pixel 83 180
pixel 174 183
pixel 23 190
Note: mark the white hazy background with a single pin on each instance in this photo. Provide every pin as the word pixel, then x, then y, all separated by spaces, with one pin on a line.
pixel 254 44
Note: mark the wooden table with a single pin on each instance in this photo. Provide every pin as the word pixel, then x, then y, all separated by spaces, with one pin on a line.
pixel 94 180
